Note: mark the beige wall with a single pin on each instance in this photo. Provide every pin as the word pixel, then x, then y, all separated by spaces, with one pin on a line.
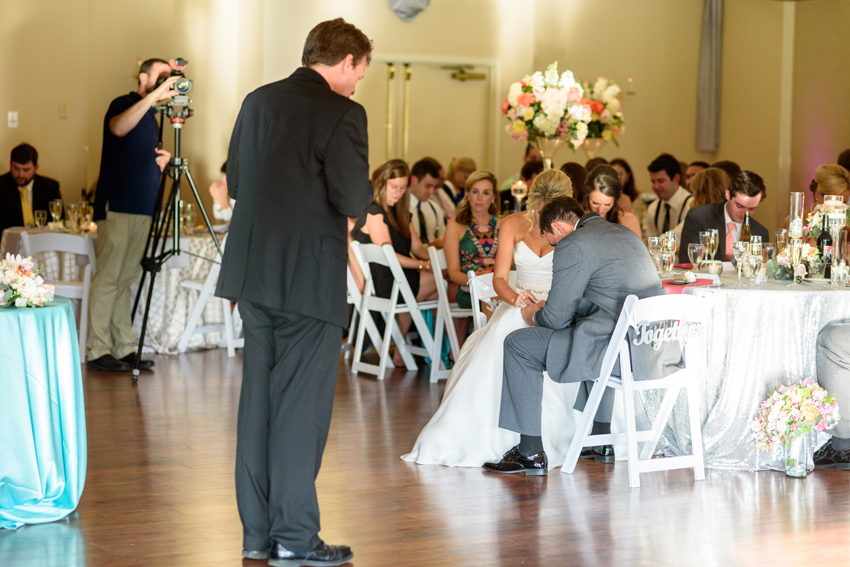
pixel 84 52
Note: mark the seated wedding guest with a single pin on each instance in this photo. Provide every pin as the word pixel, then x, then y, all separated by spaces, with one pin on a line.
pixel 603 189
pixel 578 175
pixel 693 168
pixel 844 159
pixel 833 360
pixel 708 186
pixel 222 203
pixel 746 191
pixel 459 169
pixel 730 167
pixel 426 213
pixel 630 194
pixel 593 162
pixel 471 238
pixel 23 191
pixel 531 154
pixel 673 201
pixel 463 432
pixel 530 170
pixel 387 221
pixel 596 266
pixel 829 179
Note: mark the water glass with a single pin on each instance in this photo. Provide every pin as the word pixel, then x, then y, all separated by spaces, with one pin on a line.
pixel 56 209
pixel 695 252
pixel 40 218
pixel 71 218
pixel 665 262
pixel 781 240
pixel 188 217
pixel 840 274
pixel 754 264
pixel 740 251
pixel 768 251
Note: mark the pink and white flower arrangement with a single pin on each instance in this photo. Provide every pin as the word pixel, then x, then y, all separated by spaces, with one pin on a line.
pixel 606 119
pixel 791 412
pixel 547 105
pixel 20 284
pixel 814 222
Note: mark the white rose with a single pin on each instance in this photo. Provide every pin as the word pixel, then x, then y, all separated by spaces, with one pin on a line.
pixel 514 92
pixel 613 106
pixel 527 113
pixel 611 92
pixel 20 302
pixel 600 85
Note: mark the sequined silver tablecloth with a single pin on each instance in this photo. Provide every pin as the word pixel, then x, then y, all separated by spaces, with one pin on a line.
pixel 759 337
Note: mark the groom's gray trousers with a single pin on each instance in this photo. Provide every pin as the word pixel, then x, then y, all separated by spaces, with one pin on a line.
pixel 833 360
pixel 525 353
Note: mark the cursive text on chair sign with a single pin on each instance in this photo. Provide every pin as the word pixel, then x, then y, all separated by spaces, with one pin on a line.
pixel 657 333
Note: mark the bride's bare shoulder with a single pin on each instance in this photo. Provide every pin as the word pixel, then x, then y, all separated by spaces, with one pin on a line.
pixel 515 224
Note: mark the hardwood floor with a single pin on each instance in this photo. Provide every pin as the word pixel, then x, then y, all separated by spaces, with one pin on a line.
pixel 159 491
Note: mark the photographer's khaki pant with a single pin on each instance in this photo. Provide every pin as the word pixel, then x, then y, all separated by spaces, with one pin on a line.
pixel 120 246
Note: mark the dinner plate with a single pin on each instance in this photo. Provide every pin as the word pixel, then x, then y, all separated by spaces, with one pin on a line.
pixel 817 280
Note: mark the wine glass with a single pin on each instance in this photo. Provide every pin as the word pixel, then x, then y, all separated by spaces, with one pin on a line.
pixel 519 190
pixel 712 242
pixel 655 245
pixel 754 263
pixel 781 240
pixel 695 252
pixel 56 207
pixel 188 217
pixel 665 262
pixel 739 252
pixel 40 218
pixel 71 218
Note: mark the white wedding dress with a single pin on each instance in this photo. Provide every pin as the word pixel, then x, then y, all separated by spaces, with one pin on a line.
pixel 464 432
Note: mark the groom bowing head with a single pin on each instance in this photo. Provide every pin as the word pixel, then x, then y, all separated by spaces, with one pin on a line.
pixel 558 218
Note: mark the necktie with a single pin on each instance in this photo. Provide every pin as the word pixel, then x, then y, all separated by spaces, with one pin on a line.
pixel 666 225
pixel 730 242
pixel 26 208
pixel 423 235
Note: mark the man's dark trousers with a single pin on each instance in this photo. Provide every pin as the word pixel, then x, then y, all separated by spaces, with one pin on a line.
pixel 288 381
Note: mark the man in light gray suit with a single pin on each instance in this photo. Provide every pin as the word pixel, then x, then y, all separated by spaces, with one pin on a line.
pixel 833 359
pixel 596 265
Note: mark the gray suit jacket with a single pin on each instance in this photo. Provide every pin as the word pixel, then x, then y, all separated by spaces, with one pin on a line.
pixel 594 269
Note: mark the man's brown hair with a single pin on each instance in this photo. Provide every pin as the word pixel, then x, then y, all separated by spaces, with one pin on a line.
pixel 330 42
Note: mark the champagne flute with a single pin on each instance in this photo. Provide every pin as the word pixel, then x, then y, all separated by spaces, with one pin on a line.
pixel 781 240
pixel 768 252
pixel 739 252
pixel 71 217
pixel 56 207
pixel 695 252
pixel 755 244
pixel 40 218
pixel 712 242
pixel 754 263
pixel 655 245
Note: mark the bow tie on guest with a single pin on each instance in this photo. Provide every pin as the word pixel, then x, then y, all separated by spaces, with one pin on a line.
pixel 730 229
pixel 26 207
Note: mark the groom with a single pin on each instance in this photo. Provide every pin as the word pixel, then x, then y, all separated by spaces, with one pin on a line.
pixel 594 270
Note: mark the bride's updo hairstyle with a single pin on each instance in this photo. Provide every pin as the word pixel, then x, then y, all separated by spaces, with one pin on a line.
pixel 545 187
pixel 832 179
pixel 393 169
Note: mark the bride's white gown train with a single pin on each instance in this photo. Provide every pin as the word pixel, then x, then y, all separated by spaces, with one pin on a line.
pixel 464 432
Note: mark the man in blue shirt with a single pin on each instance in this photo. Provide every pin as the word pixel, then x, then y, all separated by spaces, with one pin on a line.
pixel 130 169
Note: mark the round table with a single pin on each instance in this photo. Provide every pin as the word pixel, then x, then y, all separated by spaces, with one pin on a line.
pixel 42 415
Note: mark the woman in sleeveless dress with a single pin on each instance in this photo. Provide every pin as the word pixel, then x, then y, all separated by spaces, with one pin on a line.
pixel 464 430
pixel 470 242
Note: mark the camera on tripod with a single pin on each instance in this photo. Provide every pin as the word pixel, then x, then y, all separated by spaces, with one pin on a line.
pixel 177 107
pixel 183 85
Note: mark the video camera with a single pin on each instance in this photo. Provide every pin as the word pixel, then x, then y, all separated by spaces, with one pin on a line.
pixel 183 85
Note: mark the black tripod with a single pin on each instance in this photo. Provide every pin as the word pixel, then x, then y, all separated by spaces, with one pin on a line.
pixel 177 110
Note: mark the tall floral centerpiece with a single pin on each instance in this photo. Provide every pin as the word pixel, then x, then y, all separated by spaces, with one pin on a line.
pixel 787 418
pixel 20 284
pixel 606 118
pixel 546 110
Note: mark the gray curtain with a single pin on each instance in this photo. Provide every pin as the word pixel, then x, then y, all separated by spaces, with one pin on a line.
pixel 708 90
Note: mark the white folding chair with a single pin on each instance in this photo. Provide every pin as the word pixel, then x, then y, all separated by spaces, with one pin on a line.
pixel 481 290
pixel 366 255
pixel 686 311
pixel 80 245
pixel 446 312
pixel 355 298
pixel 205 288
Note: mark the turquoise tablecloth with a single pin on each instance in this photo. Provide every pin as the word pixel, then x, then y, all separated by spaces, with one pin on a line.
pixel 42 415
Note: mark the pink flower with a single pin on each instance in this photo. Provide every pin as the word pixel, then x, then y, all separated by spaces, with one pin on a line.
pixel 526 99
pixel 820 426
pixel 512 114
pixel 519 136
pixel 505 105
pixel 574 95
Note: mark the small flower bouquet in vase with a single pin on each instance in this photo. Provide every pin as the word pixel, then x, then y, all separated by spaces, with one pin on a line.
pixel 606 118
pixel 789 417
pixel 20 284
pixel 545 110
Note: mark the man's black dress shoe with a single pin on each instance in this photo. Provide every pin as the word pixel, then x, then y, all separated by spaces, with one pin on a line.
pixel 600 454
pixel 131 360
pixel 515 462
pixel 108 363
pixel 322 554
pixel 253 554
pixel 827 456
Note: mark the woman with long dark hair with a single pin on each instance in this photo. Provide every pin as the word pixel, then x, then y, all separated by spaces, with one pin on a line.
pixel 603 190
pixel 627 178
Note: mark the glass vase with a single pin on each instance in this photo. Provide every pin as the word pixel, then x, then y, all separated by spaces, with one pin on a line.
pixel 548 147
pixel 592 146
pixel 797 456
pixel 795 226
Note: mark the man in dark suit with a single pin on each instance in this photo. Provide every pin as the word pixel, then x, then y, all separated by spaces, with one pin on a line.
pixel 595 267
pixel 745 193
pixel 298 167
pixel 23 191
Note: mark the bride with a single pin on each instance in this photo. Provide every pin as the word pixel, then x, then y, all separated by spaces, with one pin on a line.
pixel 464 431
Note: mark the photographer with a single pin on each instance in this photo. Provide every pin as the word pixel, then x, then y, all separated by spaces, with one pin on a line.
pixel 130 167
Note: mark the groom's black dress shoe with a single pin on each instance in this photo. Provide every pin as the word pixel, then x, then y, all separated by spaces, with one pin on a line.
pixel 600 454
pixel 131 360
pixel 322 554
pixel 108 363
pixel 515 462
pixel 827 457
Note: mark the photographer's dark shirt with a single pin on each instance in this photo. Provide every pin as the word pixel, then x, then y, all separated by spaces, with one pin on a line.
pixel 129 177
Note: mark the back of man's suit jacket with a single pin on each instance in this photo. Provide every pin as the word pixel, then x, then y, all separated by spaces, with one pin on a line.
pixel 297 167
